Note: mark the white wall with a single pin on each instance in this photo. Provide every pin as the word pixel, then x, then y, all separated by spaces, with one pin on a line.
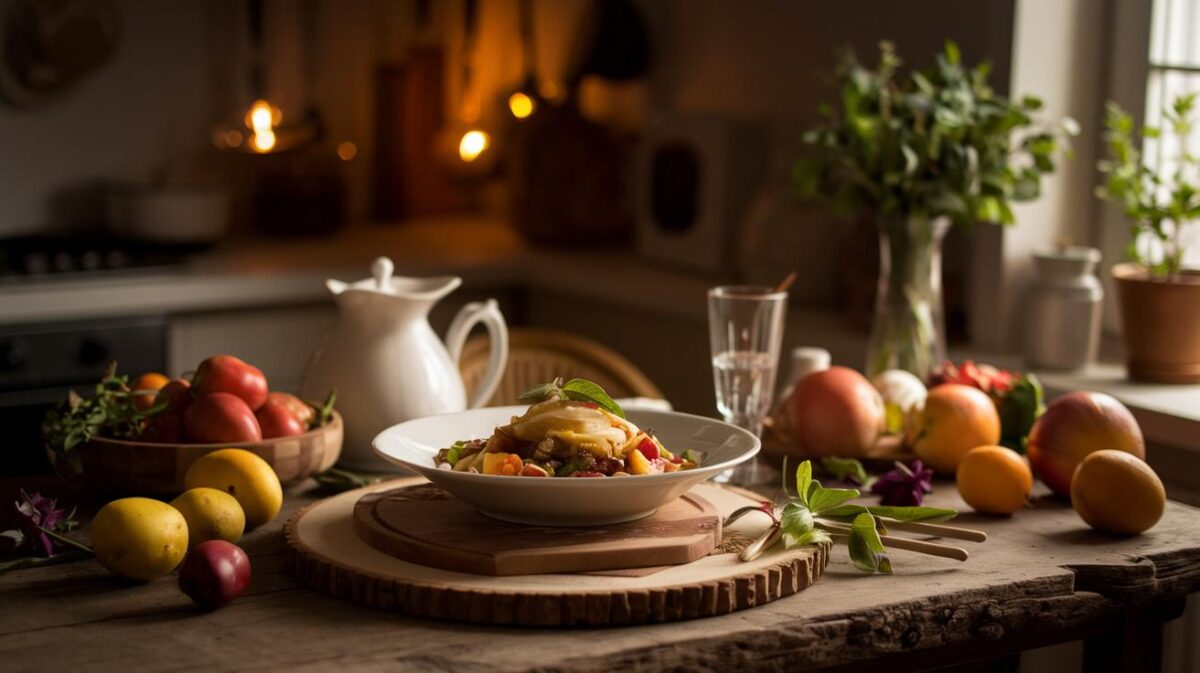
pixel 144 110
pixel 1058 55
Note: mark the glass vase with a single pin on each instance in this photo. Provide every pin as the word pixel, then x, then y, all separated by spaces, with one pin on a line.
pixel 908 330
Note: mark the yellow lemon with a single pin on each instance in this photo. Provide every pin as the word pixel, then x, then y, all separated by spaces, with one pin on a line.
pixel 243 475
pixel 210 515
pixel 139 538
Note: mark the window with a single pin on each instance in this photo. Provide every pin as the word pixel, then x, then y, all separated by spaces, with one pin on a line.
pixel 1173 69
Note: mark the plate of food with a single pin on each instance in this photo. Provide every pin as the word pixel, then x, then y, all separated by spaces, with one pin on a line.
pixel 571 457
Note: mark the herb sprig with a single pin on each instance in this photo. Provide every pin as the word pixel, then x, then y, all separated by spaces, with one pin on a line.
pixel 814 512
pixel 110 412
pixel 579 390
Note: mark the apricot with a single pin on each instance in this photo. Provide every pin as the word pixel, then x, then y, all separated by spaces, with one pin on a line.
pixel 1117 492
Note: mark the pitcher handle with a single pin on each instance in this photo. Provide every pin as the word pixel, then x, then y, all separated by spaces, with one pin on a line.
pixel 468 316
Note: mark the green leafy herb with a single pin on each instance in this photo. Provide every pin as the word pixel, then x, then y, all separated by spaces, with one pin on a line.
pixel 798 526
pixel 693 456
pixel 1019 408
pixel 452 453
pixel 814 511
pixel 821 499
pixel 110 412
pixel 929 514
pixel 804 482
pixel 937 143
pixel 866 549
pixel 579 390
pixel 846 469
pixel 1162 206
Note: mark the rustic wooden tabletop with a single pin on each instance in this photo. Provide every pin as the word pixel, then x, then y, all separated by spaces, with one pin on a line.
pixel 1043 577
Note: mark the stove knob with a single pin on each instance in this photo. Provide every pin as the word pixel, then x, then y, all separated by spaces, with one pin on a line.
pixel 93 351
pixel 14 354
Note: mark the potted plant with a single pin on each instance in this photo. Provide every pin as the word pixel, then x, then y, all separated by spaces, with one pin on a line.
pixel 1159 299
pixel 923 152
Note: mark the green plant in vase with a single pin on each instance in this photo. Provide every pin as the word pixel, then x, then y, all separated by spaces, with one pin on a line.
pixel 1160 299
pixel 922 152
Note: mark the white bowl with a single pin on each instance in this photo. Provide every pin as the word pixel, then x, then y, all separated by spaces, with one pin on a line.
pixel 566 501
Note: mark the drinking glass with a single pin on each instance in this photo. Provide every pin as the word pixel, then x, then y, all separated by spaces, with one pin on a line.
pixel 745 326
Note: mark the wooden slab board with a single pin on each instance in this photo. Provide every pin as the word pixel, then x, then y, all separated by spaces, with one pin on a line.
pixel 326 553
pixel 423 524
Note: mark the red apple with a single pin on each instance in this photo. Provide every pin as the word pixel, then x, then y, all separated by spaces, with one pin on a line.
pixel 1074 426
pixel 220 418
pixel 214 573
pixel 227 374
pixel 299 408
pixel 835 412
pixel 275 420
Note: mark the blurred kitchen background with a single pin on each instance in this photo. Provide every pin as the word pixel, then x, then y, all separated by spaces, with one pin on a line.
pixel 178 179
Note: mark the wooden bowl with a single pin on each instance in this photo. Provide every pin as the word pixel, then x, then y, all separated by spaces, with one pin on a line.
pixel 143 468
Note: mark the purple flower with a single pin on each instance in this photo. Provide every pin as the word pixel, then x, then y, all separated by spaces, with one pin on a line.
pixel 37 512
pixel 904 486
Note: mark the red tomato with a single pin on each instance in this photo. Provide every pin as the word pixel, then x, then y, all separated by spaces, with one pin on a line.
pixel 220 418
pixel 163 429
pixel 648 448
pixel 177 394
pixel 277 421
pixel 299 408
pixel 227 374
pixel 166 427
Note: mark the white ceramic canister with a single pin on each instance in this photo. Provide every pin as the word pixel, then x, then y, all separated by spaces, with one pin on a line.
pixel 1062 309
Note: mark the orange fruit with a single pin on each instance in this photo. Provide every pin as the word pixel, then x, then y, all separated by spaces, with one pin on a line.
pixel 151 382
pixel 994 480
pixel 955 419
pixel 1117 492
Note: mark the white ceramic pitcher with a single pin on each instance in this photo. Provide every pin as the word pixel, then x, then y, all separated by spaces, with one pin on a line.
pixel 386 362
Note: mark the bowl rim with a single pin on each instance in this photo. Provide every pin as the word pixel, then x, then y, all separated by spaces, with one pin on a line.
pixel 467 477
pixel 335 421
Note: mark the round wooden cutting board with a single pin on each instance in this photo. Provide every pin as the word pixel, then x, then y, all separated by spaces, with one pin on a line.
pixel 423 524
pixel 326 553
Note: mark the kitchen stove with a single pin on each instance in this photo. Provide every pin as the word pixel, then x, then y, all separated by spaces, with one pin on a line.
pixel 44 257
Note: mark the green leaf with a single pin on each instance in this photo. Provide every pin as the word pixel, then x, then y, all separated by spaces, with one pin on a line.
pixel 803 481
pixel 582 390
pixel 866 549
pixel 823 499
pixel 542 391
pixel 844 469
pixel 798 527
pixel 953 55
pixel 850 511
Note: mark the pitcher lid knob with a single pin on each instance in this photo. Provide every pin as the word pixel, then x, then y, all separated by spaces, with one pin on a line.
pixel 382 269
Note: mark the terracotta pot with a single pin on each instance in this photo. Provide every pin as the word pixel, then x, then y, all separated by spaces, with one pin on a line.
pixel 1160 321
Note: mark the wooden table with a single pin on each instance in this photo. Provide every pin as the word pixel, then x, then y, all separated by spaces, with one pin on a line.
pixel 1043 578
